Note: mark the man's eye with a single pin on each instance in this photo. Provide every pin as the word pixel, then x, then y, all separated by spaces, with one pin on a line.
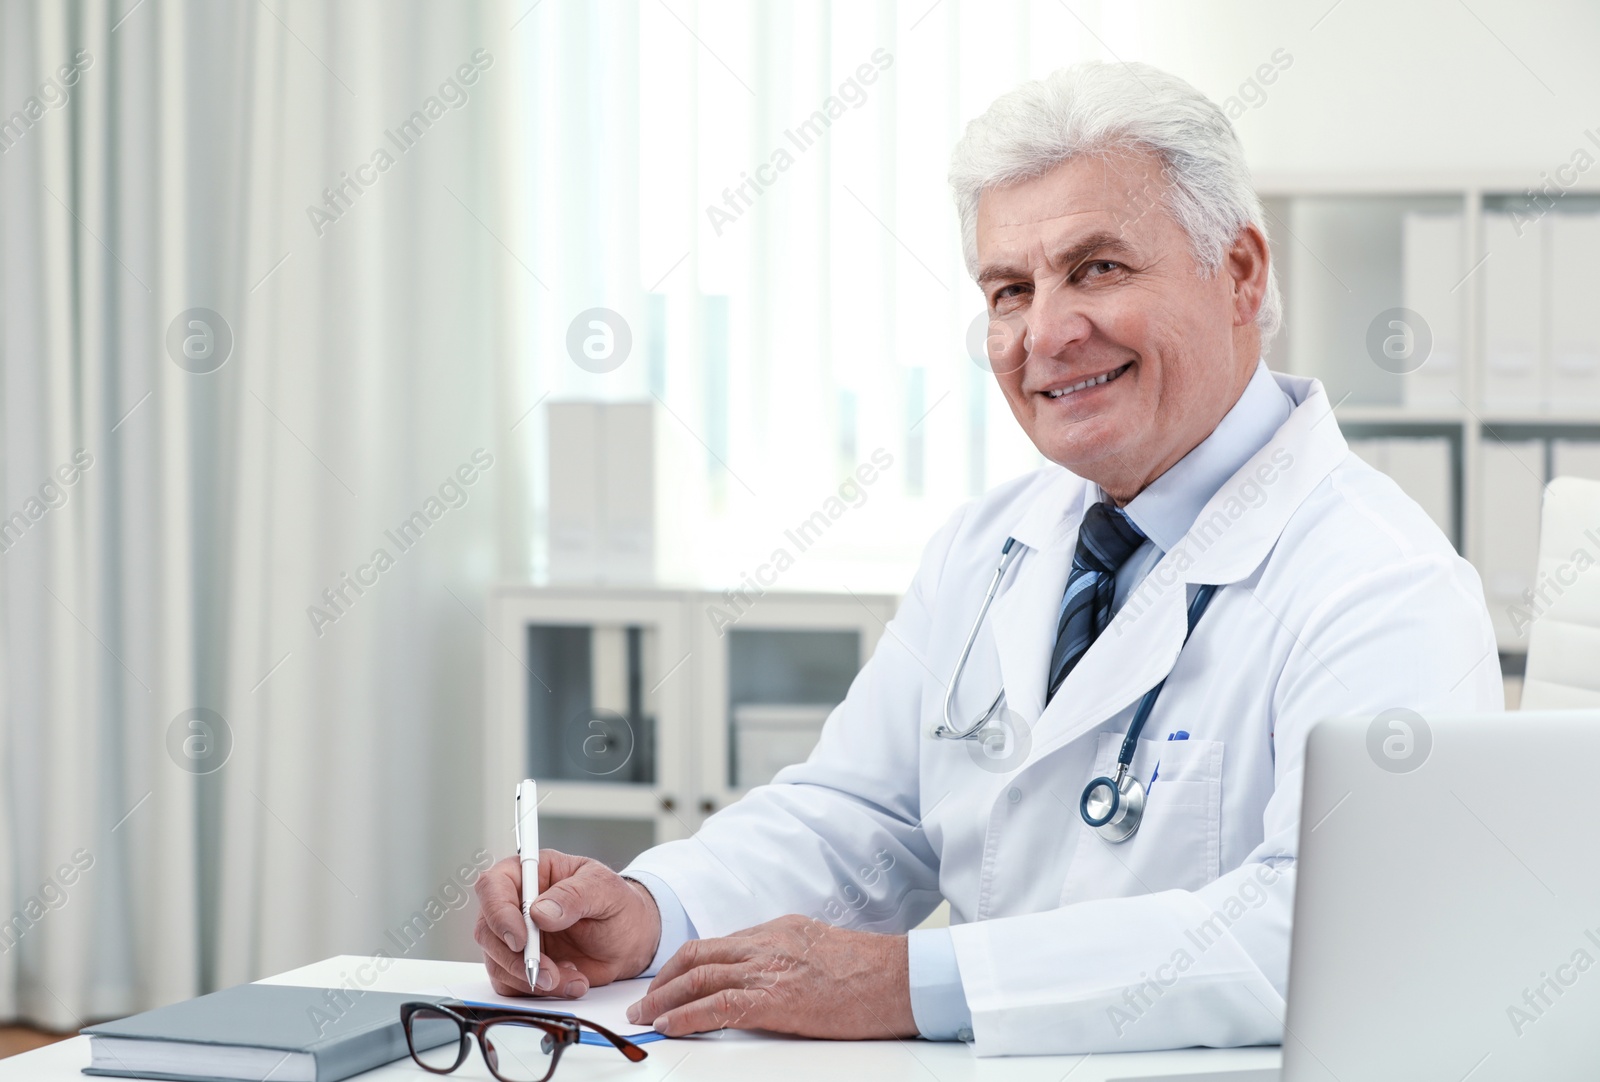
pixel 1100 268
pixel 1007 292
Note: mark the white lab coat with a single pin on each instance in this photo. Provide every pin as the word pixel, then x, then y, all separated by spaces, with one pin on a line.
pixel 1339 596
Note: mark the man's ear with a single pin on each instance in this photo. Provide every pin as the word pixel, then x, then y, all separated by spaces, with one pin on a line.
pixel 1246 263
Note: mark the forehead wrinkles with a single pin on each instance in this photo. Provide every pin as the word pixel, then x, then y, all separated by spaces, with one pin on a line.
pixel 1143 194
pixel 1119 197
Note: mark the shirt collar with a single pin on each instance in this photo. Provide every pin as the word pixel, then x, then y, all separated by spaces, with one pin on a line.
pixel 1169 505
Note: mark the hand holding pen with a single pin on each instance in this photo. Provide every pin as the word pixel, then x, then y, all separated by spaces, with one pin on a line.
pixel 594 926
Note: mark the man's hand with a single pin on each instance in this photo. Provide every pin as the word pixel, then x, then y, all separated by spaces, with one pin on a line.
pixel 790 975
pixel 595 927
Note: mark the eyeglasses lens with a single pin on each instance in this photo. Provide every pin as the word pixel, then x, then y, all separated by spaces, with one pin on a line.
pixel 518 1051
pixel 435 1039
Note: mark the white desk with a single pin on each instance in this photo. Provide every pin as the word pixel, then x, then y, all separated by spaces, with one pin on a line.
pixel 729 1055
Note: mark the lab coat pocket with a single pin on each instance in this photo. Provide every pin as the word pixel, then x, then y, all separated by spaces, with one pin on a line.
pixel 1179 843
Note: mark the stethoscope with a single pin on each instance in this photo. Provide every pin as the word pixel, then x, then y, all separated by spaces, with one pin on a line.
pixel 1111 806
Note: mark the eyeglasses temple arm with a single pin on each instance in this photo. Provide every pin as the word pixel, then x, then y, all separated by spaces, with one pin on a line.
pixel 623 1045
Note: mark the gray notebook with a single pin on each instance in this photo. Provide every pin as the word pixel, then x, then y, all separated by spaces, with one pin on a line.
pixel 260 1032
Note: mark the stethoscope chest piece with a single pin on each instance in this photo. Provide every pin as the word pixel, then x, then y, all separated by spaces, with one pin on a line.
pixel 1112 807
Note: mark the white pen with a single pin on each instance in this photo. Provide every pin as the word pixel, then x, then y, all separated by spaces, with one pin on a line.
pixel 528 851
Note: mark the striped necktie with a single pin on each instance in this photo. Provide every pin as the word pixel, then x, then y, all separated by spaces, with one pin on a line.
pixel 1106 539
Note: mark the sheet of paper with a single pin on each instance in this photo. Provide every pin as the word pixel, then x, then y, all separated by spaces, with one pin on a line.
pixel 607 1006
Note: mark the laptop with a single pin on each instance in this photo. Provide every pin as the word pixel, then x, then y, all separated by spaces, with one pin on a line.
pixel 1447 902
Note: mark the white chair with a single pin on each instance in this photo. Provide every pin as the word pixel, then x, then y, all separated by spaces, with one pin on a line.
pixel 1564 634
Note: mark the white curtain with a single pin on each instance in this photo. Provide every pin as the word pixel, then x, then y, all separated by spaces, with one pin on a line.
pixel 370 373
pixel 233 738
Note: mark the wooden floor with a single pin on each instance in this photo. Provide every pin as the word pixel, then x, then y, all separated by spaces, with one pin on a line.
pixel 14 1039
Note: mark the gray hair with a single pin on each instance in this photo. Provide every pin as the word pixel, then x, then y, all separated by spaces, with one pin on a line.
pixel 1095 107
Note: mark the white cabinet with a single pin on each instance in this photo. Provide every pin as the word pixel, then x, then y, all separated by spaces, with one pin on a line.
pixel 762 681
pixel 1453 308
pixel 641 711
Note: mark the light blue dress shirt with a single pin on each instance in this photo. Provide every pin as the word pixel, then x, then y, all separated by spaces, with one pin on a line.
pixel 676 927
pixel 1164 512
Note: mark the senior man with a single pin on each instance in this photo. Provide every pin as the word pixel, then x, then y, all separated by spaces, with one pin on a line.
pixel 1203 543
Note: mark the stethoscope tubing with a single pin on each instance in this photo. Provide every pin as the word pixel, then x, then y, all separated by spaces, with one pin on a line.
pixel 1126 794
pixel 1130 743
pixel 947 731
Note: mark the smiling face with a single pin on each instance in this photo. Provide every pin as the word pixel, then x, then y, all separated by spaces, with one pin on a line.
pixel 1115 355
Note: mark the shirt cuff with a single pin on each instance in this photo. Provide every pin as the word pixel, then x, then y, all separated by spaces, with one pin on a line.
pixel 676 927
pixel 938 1002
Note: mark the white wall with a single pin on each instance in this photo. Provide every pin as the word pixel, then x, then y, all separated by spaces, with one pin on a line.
pixel 1408 85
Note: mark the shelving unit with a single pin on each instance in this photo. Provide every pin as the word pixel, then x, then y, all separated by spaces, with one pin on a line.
pixel 629 705
pixel 1337 245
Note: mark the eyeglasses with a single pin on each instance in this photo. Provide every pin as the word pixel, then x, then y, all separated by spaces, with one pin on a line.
pixel 519 1046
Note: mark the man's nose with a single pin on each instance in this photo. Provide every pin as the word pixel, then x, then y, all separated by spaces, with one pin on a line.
pixel 1057 320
